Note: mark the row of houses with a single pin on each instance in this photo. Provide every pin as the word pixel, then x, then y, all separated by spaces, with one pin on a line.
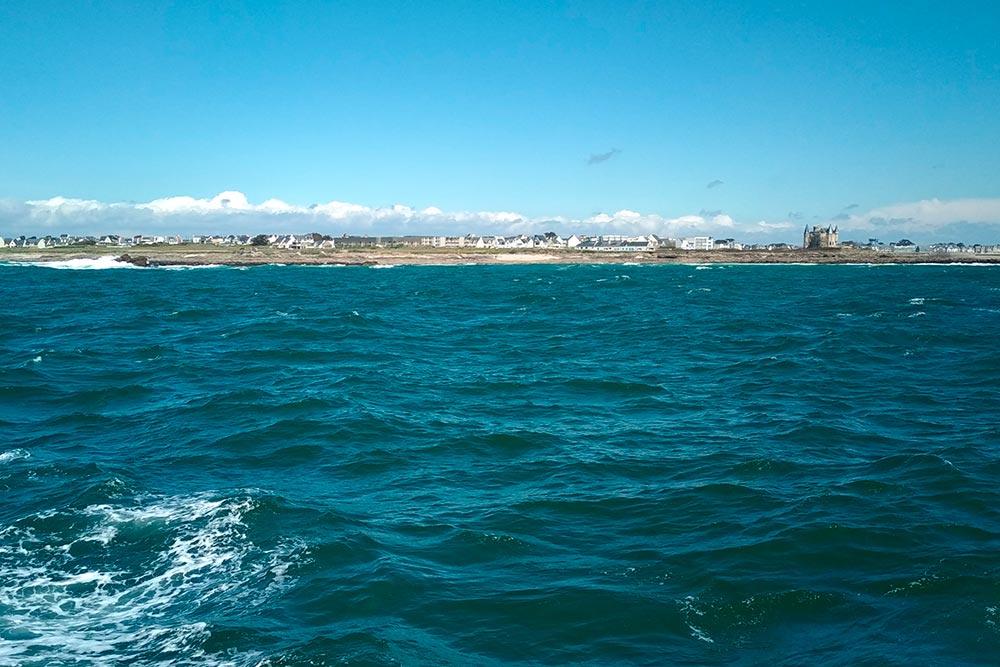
pixel 907 246
pixel 977 248
pixel 546 241
pixel 66 240
pixel 46 241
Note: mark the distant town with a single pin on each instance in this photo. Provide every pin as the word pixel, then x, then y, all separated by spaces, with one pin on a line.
pixel 815 238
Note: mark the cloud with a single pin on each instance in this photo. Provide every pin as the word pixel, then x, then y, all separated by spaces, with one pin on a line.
pixel 764 226
pixel 969 220
pixel 714 184
pixel 850 207
pixel 231 212
pixel 632 221
pixel 597 158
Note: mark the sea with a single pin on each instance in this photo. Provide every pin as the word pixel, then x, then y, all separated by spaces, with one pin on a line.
pixel 614 464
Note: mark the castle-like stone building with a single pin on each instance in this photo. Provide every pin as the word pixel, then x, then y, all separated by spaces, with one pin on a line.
pixel 820 237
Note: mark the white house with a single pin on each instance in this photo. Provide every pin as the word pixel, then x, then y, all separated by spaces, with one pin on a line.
pixel 697 243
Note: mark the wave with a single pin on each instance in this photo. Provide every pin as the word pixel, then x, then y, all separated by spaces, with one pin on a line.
pixel 86 263
pixel 729 479
pixel 134 583
pixel 106 262
pixel 13 455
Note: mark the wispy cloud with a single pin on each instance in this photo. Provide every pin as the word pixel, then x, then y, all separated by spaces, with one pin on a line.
pixel 768 227
pixel 597 158
pixel 850 207
pixel 714 184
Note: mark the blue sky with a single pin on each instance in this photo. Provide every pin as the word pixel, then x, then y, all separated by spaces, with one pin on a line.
pixel 881 117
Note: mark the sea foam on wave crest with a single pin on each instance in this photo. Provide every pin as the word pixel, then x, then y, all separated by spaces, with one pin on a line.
pixel 108 262
pixel 91 263
pixel 13 455
pixel 126 583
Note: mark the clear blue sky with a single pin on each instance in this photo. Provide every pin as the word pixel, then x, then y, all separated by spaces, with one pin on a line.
pixel 803 110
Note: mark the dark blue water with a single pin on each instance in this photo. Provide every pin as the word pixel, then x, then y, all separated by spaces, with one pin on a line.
pixel 588 465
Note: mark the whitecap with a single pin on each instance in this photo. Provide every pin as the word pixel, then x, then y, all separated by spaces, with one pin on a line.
pixel 122 608
pixel 14 455
pixel 83 263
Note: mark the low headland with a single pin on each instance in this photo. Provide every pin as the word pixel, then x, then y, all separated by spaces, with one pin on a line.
pixel 191 254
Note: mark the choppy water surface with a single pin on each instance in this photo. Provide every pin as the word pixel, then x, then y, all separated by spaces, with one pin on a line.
pixel 607 465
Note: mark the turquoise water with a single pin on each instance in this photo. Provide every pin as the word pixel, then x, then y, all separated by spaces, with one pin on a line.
pixel 551 465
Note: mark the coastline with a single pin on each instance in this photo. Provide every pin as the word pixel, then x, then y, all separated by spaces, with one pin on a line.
pixel 202 255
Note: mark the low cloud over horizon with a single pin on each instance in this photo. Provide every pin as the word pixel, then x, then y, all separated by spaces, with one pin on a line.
pixel 967 220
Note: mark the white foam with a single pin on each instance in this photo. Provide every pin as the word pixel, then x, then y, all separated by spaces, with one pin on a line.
pixel 85 263
pixel 13 455
pixel 689 609
pixel 128 605
pixel 107 262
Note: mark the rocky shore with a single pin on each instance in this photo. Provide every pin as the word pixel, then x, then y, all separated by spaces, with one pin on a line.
pixel 201 255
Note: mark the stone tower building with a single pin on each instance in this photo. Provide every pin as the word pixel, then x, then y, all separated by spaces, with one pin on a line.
pixel 820 237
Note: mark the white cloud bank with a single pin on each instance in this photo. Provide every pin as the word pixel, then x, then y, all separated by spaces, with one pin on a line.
pixel 968 220
pixel 927 215
pixel 231 212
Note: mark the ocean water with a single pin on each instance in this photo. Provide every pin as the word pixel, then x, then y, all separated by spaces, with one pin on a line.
pixel 518 465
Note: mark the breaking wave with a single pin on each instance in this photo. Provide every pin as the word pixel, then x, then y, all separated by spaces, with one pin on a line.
pixel 140 582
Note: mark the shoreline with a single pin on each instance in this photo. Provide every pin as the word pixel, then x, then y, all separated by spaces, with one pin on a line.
pixel 191 255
